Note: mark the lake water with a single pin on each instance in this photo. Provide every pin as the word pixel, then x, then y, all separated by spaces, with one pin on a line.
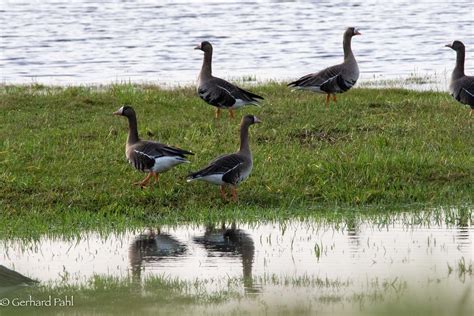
pixel 99 42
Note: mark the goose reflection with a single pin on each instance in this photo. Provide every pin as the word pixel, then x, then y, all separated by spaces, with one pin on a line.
pixel 231 241
pixel 147 249
pixel 353 235
pixel 463 223
pixel 11 280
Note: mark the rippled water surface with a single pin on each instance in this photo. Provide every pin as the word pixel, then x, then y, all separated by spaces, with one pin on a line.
pixel 87 41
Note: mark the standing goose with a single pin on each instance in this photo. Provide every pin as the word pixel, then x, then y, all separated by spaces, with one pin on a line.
pixel 334 79
pixel 461 86
pixel 231 169
pixel 218 92
pixel 148 156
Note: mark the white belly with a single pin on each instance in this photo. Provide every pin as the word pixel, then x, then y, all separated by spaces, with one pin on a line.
pixel 213 178
pixel 239 103
pixel 163 164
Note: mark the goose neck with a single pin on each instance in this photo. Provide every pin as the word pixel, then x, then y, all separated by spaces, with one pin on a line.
pixel 346 44
pixel 132 130
pixel 244 139
pixel 459 69
pixel 206 70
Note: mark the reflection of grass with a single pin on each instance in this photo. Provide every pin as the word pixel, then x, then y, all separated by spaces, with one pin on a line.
pixel 63 168
pixel 122 296
pixel 462 268
pixel 440 303
pixel 306 281
pixel 296 296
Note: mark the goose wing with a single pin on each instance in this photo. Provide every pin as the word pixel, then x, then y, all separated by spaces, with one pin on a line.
pixel 229 166
pixel 144 154
pixel 221 93
pixel 466 91
pixel 315 80
pixel 336 84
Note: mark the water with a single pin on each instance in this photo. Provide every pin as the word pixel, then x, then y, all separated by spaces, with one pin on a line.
pixel 99 42
pixel 355 252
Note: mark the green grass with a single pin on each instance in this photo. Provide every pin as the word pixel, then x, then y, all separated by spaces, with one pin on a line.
pixel 62 154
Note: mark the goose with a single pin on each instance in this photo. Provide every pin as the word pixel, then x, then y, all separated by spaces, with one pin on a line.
pixel 461 86
pixel 11 280
pixel 218 92
pixel 334 79
pixel 148 156
pixel 231 169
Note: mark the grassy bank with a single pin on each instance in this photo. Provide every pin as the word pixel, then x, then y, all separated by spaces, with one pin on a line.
pixel 62 152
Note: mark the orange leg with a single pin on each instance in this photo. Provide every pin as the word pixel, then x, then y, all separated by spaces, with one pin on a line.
pixel 218 113
pixel 231 113
pixel 334 98
pixel 223 194
pixel 156 176
pixel 327 100
pixel 145 181
pixel 234 193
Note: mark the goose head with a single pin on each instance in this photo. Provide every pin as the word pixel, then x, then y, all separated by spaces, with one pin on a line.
pixel 352 31
pixel 456 45
pixel 204 46
pixel 250 120
pixel 126 111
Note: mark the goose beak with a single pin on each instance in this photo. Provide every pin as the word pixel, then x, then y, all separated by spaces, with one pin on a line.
pixel 356 32
pixel 448 45
pixel 198 47
pixel 257 120
pixel 119 111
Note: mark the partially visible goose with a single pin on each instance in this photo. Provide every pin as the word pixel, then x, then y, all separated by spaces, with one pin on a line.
pixel 148 156
pixel 218 92
pixel 11 280
pixel 230 170
pixel 461 86
pixel 334 79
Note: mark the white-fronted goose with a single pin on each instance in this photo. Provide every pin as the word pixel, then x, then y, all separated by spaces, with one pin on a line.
pixel 218 92
pixel 334 79
pixel 11 280
pixel 148 156
pixel 461 86
pixel 230 170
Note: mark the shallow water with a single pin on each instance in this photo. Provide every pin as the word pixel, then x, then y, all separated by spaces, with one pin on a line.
pixel 264 256
pixel 98 42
